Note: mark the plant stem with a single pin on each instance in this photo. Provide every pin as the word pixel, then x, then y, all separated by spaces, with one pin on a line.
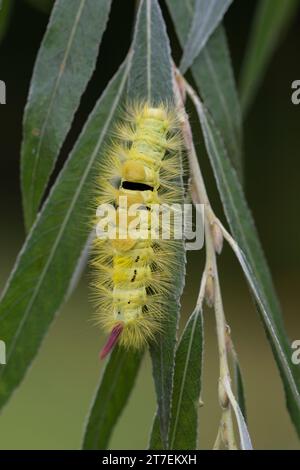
pixel 199 195
pixel 227 431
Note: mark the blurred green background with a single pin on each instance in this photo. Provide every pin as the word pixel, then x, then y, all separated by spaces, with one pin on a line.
pixel 49 408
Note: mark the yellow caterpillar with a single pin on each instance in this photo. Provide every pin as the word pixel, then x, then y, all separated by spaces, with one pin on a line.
pixel 134 274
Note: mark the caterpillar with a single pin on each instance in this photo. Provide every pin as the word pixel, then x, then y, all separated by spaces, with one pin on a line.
pixel 133 275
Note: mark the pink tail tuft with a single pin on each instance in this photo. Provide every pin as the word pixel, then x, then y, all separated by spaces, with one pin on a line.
pixel 113 338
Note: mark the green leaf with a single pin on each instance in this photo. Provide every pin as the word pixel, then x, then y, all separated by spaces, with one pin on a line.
pixel 64 65
pixel 252 260
pixel 238 379
pixel 186 389
pixel 150 76
pixel 151 79
pixel 111 397
pixel 5 14
pixel 187 385
pixel 213 75
pixel 290 372
pixel 155 436
pixel 207 16
pixel 45 267
pixel 272 18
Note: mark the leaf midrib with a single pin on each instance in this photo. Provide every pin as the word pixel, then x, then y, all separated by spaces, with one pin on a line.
pixel 149 52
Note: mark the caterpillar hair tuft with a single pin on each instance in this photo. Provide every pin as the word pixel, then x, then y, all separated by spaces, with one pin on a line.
pixel 132 276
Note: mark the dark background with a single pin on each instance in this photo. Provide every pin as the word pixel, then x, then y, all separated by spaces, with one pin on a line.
pixel 49 408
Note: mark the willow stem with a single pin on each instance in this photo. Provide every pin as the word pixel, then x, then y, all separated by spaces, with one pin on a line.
pixel 199 195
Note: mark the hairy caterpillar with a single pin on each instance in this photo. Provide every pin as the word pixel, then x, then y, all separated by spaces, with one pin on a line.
pixel 133 275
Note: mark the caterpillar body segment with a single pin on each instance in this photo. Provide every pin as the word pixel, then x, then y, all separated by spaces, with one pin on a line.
pixel 133 274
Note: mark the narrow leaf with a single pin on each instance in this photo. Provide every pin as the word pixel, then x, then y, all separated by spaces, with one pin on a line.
pixel 155 436
pixel 187 385
pixel 151 72
pixel 238 378
pixel 44 269
pixel 186 389
pixel 64 65
pixel 207 16
pixel 272 18
pixel 279 342
pixel 151 79
pixel 111 397
pixel 254 266
pixel 213 75
pixel 239 384
pixel 243 430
